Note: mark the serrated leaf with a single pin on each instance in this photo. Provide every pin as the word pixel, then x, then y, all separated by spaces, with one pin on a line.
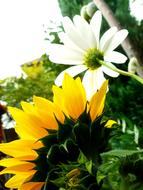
pixel 82 158
pixel 121 153
pixel 100 177
pixel 88 166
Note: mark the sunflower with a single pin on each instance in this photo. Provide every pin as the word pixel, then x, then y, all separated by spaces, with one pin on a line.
pixel 71 98
pixel 84 50
pixel 38 127
pixel 32 124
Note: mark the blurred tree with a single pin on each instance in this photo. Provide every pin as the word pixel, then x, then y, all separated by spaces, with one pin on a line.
pixel 41 74
pixel 124 100
pixel 70 8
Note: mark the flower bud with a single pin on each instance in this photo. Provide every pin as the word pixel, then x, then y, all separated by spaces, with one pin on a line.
pixel 140 71
pixel 132 65
pixel 84 14
pixel 90 9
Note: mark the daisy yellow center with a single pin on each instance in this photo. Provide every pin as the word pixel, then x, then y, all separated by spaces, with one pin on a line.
pixel 92 58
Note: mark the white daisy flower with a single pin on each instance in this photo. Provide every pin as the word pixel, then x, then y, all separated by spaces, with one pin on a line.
pixel 84 50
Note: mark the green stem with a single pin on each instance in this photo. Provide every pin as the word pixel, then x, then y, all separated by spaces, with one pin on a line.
pixel 124 184
pixel 46 181
pixel 139 79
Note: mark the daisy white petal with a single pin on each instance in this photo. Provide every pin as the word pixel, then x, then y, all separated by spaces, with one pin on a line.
pixel 110 72
pixel 64 55
pixel 106 38
pixel 66 52
pixel 68 43
pixel 85 30
pixel 73 34
pixel 115 57
pixel 117 40
pixel 73 71
pixel 95 24
pixel 64 61
pixel 92 81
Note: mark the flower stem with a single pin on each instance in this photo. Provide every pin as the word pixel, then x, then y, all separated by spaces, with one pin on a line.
pixel 139 79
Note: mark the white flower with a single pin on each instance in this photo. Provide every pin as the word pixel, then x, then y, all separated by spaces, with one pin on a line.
pixel 83 49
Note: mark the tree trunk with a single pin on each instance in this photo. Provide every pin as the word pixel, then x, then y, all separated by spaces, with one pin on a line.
pixel 112 21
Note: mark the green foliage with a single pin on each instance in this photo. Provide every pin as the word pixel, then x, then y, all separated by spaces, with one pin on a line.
pixel 127 167
pixel 124 100
pixel 121 153
pixel 14 90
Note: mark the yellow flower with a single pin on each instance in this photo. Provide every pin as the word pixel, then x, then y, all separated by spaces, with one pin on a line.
pixel 35 121
pixel 31 125
pixel 110 123
pixel 22 152
pixel 71 98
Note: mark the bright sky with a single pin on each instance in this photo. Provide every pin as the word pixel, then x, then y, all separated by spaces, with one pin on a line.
pixel 22 33
pixel 137 9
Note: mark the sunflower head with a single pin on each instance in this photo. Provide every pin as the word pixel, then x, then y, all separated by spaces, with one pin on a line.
pixel 59 142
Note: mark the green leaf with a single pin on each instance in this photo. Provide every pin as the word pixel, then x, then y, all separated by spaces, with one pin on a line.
pixel 82 158
pixel 121 153
pixel 88 166
pixel 100 177
pixel 59 182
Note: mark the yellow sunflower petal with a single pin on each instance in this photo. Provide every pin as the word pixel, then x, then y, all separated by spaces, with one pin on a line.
pixel 23 167
pixel 74 96
pixel 96 103
pixel 28 108
pixel 8 162
pixel 29 123
pixel 23 133
pixel 109 123
pixel 45 109
pixel 27 157
pixel 18 148
pixel 17 180
pixel 59 99
pixel 59 114
pixel 81 89
pixel 32 186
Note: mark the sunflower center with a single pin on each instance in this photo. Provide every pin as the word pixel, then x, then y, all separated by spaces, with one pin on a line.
pixel 92 58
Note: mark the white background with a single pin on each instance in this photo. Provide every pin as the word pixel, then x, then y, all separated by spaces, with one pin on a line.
pixel 22 32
